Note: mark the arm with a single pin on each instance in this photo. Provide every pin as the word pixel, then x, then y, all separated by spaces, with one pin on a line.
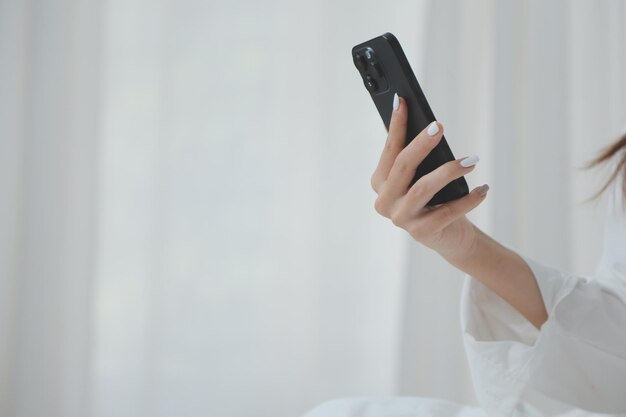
pixel 505 273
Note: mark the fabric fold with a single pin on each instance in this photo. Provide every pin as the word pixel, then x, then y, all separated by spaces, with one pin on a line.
pixel 576 360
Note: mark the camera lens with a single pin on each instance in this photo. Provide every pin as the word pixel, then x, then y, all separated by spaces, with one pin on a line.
pixel 370 84
pixel 359 62
pixel 375 70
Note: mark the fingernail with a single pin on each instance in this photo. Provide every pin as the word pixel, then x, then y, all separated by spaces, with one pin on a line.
pixel 396 102
pixel 433 128
pixel 482 190
pixel 468 161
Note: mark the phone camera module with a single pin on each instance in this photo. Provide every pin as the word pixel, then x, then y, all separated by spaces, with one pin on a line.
pixel 370 68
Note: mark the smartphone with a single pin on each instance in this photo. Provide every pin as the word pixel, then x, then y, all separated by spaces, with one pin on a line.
pixel 386 71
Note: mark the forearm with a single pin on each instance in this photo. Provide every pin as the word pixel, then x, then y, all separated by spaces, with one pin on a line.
pixel 507 274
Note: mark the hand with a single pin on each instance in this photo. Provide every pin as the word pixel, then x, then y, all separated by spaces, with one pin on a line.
pixel 443 228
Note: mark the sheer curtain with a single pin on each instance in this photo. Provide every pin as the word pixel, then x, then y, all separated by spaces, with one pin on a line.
pixel 49 117
pixel 187 225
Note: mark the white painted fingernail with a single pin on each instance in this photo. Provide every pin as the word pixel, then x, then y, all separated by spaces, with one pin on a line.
pixel 469 161
pixel 396 102
pixel 433 128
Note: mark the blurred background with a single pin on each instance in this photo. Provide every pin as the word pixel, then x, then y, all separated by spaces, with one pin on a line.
pixel 186 219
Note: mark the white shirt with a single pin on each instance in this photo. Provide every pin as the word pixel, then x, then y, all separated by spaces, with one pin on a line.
pixel 574 366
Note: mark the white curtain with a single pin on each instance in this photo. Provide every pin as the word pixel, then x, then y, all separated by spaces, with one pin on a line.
pixel 49 118
pixel 187 226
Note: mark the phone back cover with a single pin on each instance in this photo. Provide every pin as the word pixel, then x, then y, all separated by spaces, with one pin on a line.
pixel 401 79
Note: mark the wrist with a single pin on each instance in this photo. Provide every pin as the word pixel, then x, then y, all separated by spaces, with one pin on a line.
pixel 477 246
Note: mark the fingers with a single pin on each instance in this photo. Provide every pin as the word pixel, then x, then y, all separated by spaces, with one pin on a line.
pixel 394 143
pixel 441 216
pixel 409 158
pixel 428 185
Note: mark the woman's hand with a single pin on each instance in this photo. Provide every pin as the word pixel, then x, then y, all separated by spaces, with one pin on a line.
pixel 443 228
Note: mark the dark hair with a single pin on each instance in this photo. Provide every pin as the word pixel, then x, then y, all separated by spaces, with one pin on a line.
pixel 606 155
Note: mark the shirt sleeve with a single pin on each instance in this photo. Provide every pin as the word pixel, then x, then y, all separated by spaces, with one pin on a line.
pixel 577 360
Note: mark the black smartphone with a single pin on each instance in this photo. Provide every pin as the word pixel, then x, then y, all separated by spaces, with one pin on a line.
pixel 386 71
